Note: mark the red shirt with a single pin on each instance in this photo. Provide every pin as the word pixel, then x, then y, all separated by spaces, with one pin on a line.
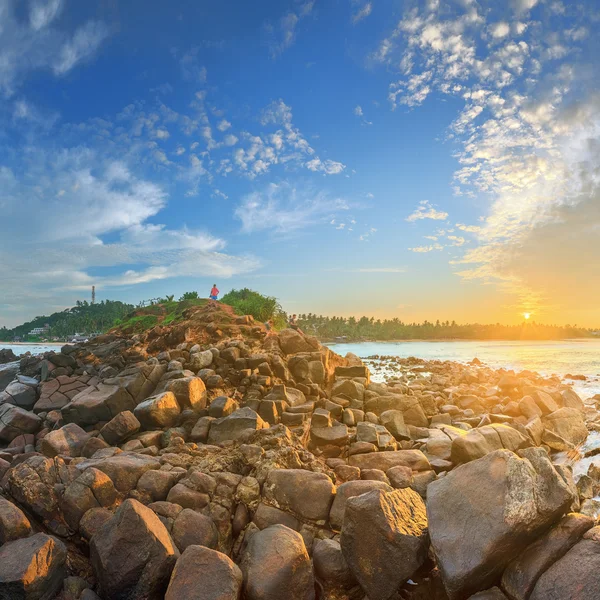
pixel 214 291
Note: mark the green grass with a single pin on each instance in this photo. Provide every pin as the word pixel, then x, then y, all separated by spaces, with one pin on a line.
pixel 262 308
pixel 151 315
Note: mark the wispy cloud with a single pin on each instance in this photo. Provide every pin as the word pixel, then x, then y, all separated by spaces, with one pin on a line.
pixel 424 249
pixel 37 44
pixel 426 210
pixel 191 68
pixel 283 34
pixel 283 208
pixel 363 10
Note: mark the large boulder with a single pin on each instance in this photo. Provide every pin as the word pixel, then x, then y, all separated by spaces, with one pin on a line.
pixel 119 428
pixel 20 394
pixel 349 388
pixel 491 509
pixel 32 568
pixel 568 423
pixel 411 408
pixel 192 528
pixel 331 567
pixel 276 565
pixel 66 441
pixel 133 555
pixel 200 360
pixel 305 493
pixel 349 490
pixel 34 484
pixel 8 372
pixel 483 440
pixel 15 421
pixel 13 522
pixel 576 576
pixel 124 469
pixel 95 404
pixel 292 342
pixel 384 539
pixel 571 399
pixel 158 412
pixel 521 575
pixel 92 489
pixel 139 380
pixel 234 426
pixel 204 574
pixel 189 391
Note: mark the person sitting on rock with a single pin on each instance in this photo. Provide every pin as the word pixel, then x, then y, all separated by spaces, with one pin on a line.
pixel 293 323
pixel 269 326
pixel 214 293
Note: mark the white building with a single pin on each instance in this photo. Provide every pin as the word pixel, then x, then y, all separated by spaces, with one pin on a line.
pixel 39 330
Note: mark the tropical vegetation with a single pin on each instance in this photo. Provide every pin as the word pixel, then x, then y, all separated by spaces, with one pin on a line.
pixel 368 328
pixel 83 318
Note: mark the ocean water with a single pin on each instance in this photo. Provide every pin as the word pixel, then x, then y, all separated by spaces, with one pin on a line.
pixel 576 357
pixel 33 348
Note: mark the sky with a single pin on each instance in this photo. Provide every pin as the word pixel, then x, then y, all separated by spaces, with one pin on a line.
pixel 421 160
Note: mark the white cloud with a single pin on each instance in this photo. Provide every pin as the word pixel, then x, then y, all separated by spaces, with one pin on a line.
pixel 425 249
pixel 523 6
pixel 283 208
pixel 81 46
pixel 468 228
pixel 362 13
pixel 36 44
pixel 42 13
pixel 426 210
pixel 358 111
pixel 500 29
pixel 223 125
pixel 329 167
pixel 161 134
pixel 283 35
pixel 456 240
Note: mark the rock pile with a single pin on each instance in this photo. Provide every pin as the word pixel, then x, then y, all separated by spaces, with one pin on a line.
pixel 209 460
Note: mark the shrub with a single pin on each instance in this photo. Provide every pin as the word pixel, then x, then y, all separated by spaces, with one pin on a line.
pixel 189 296
pixel 249 302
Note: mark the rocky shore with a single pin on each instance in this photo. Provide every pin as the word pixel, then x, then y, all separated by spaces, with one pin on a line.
pixel 207 460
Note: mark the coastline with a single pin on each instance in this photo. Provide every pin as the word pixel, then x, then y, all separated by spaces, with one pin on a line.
pixel 32 343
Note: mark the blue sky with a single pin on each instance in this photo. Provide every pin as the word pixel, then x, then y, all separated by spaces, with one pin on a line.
pixel 421 160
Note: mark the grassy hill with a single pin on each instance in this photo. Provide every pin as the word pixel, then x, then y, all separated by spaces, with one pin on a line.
pixel 82 318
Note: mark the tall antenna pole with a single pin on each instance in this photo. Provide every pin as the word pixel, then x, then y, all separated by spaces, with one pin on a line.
pixel 93 294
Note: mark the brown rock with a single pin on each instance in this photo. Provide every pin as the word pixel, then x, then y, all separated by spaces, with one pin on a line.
pixel 119 428
pixel 491 523
pixel 32 568
pixel 204 574
pixel 521 575
pixel 276 565
pixel 384 539
pixel 133 555
pixel 13 522
pixel 192 528
pixel 305 493
pixel 349 490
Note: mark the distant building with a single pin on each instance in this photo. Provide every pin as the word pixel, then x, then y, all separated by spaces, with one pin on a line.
pixel 39 330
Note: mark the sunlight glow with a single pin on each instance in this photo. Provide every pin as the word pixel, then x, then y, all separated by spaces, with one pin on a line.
pixel 526 316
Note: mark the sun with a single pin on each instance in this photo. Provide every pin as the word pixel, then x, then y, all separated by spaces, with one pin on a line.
pixel 526 316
